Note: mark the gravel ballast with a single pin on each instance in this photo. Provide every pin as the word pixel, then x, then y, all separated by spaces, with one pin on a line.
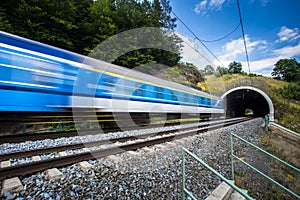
pixel 155 175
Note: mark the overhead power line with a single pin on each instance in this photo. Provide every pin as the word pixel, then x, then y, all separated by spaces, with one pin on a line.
pixel 196 37
pixel 196 50
pixel 243 32
pixel 225 36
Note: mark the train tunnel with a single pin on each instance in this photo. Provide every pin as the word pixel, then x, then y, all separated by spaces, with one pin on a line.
pixel 245 100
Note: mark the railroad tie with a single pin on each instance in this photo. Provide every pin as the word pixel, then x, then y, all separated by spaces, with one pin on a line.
pixel 54 173
pixel 132 153
pixel 5 163
pixel 11 185
pixel 85 166
pixel 148 150
pixel 62 153
pixel 36 158
pixel 114 158
pixel 159 146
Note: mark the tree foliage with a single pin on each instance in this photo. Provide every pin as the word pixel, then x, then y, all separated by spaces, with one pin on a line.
pixel 292 91
pixel 287 70
pixel 235 68
pixel 221 71
pixel 209 70
pixel 80 25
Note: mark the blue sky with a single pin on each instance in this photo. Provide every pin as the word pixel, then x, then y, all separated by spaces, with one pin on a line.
pixel 271 31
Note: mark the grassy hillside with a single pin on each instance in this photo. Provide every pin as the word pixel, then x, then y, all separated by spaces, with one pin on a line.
pixel 287 112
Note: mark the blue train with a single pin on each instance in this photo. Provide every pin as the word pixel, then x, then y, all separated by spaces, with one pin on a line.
pixel 35 77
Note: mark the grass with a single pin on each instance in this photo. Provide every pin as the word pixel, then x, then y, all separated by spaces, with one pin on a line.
pixel 289 151
pixel 287 112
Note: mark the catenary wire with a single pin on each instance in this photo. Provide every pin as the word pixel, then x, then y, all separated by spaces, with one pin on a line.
pixel 225 36
pixel 196 37
pixel 243 33
pixel 196 50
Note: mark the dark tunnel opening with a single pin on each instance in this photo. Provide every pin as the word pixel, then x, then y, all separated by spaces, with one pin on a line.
pixel 240 102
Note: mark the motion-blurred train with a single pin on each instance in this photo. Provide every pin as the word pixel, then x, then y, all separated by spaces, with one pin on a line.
pixel 35 77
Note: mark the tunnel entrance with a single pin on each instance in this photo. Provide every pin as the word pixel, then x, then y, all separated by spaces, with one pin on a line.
pixel 245 101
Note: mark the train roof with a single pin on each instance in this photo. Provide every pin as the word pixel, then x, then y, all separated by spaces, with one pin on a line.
pixel 35 46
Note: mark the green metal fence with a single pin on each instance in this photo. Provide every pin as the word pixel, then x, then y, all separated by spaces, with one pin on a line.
pixel 233 156
pixel 186 192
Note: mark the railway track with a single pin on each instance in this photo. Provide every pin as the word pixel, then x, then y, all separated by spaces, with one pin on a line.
pixel 123 145
pixel 106 120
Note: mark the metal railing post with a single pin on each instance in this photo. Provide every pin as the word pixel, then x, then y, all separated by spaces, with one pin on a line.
pixel 231 157
pixel 214 172
pixel 261 173
pixel 183 174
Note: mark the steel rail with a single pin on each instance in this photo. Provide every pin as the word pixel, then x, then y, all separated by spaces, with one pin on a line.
pixel 36 166
pixel 39 151
pixel 17 138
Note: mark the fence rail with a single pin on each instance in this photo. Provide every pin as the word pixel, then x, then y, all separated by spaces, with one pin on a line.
pixel 185 191
pixel 233 156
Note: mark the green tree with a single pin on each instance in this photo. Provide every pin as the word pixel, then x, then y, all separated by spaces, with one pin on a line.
pixel 287 70
pixel 80 25
pixel 209 70
pixel 132 14
pixel 4 22
pixel 221 71
pixel 55 22
pixel 235 68
pixel 99 25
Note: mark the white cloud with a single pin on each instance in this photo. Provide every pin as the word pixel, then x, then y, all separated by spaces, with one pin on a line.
pixel 288 51
pixel 205 5
pixel 200 59
pixel 236 47
pixel 216 4
pixel 264 66
pixel 235 50
pixel 287 34
pixel 200 7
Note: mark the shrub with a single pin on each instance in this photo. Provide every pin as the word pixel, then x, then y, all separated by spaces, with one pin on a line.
pixel 292 91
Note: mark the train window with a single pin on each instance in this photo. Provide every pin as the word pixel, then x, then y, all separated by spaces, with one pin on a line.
pixel 149 91
pixel 199 100
pixel 128 86
pixel 139 92
pixel 179 96
pixel 195 99
pixel 174 98
pixel 203 100
pixel 168 94
pixel 159 92
pixel 107 80
pixel 186 98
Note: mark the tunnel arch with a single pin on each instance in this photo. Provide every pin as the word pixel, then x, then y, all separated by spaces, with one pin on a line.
pixel 240 98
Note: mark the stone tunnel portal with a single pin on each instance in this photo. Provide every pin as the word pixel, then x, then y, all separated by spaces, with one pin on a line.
pixel 241 99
